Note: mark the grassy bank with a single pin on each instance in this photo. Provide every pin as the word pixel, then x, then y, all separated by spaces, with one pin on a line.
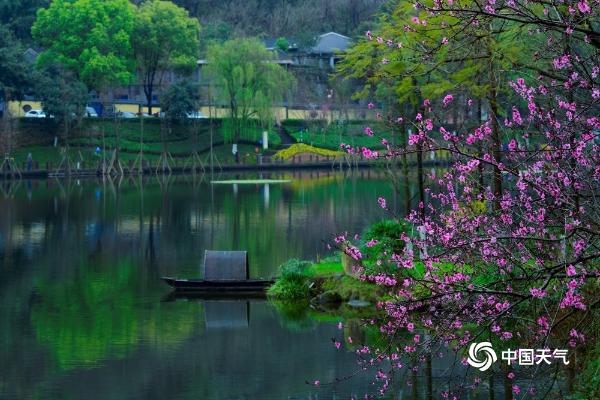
pixel 330 136
pixel 106 134
pixel 321 282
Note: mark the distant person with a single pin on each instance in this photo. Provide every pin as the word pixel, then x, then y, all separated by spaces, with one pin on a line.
pixel 29 162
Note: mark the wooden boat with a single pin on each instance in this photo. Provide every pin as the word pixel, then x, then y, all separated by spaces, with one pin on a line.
pixel 225 272
pixel 201 285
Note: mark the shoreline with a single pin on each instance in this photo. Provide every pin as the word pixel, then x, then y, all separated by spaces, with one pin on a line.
pixel 180 170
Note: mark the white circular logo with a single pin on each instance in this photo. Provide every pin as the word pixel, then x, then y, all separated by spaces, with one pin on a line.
pixel 487 352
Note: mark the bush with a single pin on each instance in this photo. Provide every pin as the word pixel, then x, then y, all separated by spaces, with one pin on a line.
pixel 299 148
pixel 293 281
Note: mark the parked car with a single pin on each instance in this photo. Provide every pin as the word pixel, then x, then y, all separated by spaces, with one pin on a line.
pixel 196 115
pixel 90 112
pixel 126 115
pixel 36 114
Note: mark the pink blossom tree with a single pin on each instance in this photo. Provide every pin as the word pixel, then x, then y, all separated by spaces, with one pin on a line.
pixel 507 243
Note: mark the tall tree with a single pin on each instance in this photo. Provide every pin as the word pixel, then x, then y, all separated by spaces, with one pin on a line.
pixel 62 95
pixel 19 15
pixel 164 39
pixel 248 78
pixel 14 70
pixel 89 37
pixel 419 57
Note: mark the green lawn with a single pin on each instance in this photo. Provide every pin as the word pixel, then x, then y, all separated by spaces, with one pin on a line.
pixel 331 136
pixel 89 159
pixel 181 141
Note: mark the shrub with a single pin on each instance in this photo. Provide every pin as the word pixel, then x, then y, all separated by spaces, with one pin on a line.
pixel 298 148
pixel 293 281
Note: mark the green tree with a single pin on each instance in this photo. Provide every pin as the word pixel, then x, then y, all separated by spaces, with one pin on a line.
pixel 14 82
pixel 282 44
pixel 248 78
pixel 19 15
pixel 164 39
pixel 407 61
pixel 179 100
pixel 14 70
pixel 89 37
pixel 63 96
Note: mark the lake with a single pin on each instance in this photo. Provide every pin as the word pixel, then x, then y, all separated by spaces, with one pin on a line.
pixel 82 310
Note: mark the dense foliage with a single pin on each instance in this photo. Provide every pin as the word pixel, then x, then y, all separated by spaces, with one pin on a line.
pixel 92 38
pixel 14 70
pixel 246 77
pixel 298 19
pixel 164 39
pixel 517 213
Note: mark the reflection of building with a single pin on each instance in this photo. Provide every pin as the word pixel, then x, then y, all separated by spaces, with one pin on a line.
pixel 227 314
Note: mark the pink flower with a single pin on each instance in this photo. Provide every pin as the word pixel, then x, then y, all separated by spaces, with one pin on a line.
pixel 317 383
pixel 444 40
pixel 448 99
pixel 368 131
pixel 382 203
pixel 538 293
pixel 584 7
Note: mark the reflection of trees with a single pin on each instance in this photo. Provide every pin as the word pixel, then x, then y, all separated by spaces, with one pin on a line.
pixel 99 314
pixel 174 226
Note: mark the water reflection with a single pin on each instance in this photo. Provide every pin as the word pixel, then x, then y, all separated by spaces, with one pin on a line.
pixel 171 222
pixel 81 310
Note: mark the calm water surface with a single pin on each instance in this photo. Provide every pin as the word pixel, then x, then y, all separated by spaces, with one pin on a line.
pixel 82 314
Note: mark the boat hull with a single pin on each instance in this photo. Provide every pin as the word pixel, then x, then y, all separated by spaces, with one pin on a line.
pixel 224 286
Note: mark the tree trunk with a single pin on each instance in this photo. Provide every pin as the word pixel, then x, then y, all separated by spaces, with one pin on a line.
pixel 496 143
pixel 148 91
pixel 480 167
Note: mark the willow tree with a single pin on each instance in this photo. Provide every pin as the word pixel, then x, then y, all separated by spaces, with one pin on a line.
pixel 248 78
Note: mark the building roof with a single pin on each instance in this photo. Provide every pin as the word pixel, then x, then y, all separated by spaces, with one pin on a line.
pixel 31 55
pixel 331 42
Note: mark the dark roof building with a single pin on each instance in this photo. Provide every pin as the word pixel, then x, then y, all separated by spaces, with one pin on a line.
pixel 330 43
